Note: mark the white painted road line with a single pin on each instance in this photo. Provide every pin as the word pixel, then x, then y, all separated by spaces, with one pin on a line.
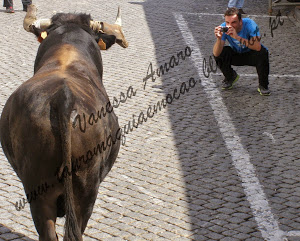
pixel 267 224
pixel 270 75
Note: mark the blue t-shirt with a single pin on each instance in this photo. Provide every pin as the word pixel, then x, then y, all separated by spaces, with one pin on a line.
pixel 249 30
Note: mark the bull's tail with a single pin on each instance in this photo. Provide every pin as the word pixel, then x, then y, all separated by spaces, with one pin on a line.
pixel 61 108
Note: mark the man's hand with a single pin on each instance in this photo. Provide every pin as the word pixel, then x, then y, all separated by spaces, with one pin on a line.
pixel 232 32
pixel 218 32
pixel 218 47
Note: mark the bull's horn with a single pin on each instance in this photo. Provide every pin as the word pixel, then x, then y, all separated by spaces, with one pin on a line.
pixel 119 20
pixel 30 20
pixel 30 17
pixel 42 23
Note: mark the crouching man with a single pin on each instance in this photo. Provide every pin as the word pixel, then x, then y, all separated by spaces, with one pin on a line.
pixel 244 49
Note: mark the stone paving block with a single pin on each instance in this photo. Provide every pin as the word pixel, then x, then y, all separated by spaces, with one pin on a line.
pixel 229 239
pixel 27 233
pixel 242 236
pixel 124 226
pixel 180 239
pixel 100 236
pixel 168 235
pixel 9 236
pixel 217 228
pixel 214 236
pixel 89 238
pixel 254 239
pixel 293 238
pixel 136 231
pixel 4 230
pixel 148 236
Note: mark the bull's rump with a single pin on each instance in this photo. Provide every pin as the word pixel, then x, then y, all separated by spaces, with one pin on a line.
pixel 31 135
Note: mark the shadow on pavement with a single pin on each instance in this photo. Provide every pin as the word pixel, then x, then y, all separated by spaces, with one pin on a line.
pixel 216 201
pixel 7 234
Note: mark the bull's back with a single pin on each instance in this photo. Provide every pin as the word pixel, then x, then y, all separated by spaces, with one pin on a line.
pixel 31 135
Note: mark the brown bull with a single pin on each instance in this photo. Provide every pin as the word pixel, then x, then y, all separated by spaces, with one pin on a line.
pixel 60 157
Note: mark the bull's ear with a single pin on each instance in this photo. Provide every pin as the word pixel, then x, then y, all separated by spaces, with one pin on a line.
pixel 40 34
pixel 105 41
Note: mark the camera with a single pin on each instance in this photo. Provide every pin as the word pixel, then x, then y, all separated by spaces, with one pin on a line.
pixel 224 29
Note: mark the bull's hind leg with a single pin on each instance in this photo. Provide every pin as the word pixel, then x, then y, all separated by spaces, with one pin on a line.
pixel 87 209
pixel 85 201
pixel 44 217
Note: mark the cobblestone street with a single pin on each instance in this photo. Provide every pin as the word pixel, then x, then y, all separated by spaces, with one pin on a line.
pixel 211 164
